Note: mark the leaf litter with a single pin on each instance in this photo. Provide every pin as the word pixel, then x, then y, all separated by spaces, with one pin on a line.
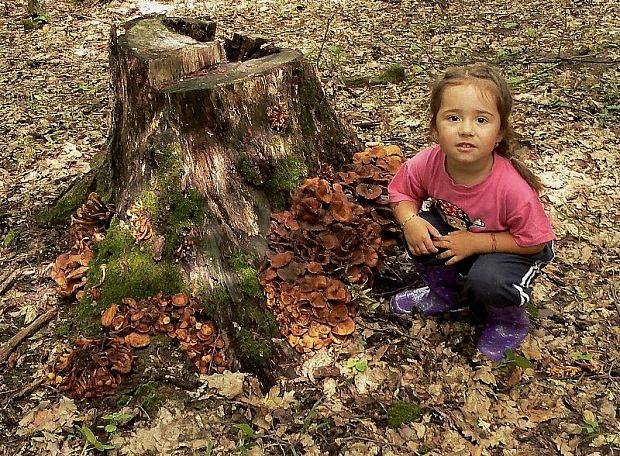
pixel 562 61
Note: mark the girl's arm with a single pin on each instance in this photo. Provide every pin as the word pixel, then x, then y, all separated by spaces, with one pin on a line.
pixel 417 231
pixel 403 210
pixel 503 241
pixel 461 244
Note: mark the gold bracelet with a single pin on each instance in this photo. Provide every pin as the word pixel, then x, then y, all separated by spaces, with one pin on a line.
pixel 408 218
pixel 493 243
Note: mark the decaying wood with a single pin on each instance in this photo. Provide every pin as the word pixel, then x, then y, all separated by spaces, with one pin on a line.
pixel 177 90
pixel 24 333
pixel 225 108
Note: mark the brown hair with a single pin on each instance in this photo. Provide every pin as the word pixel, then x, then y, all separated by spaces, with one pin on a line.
pixel 490 78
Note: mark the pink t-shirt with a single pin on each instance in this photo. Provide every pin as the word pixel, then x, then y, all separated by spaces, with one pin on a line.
pixel 503 201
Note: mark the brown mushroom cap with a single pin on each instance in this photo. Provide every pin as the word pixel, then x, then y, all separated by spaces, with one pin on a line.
pixel 344 328
pixel 280 259
pixel 138 340
pixel 317 300
pixel 108 315
pixel 179 300
pixel 328 240
pixel 369 191
pixel 341 209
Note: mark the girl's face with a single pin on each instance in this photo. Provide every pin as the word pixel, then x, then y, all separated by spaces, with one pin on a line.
pixel 468 127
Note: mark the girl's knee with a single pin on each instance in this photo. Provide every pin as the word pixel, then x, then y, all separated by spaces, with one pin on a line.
pixel 487 287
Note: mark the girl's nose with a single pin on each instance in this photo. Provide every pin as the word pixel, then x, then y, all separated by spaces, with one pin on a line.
pixel 465 128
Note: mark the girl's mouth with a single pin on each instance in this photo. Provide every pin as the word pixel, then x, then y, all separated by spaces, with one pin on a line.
pixel 465 146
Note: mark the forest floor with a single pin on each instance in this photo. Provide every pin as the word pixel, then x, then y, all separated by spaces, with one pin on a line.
pixel 560 395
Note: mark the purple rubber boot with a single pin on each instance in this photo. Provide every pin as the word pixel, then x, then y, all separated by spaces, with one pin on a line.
pixel 505 329
pixel 443 293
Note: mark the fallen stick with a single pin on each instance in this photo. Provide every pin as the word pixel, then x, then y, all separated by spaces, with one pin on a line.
pixel 24 391
pixel 24 333
pixel 7 281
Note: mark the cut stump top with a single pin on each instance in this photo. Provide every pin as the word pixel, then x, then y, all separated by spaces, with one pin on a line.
pixel 182 54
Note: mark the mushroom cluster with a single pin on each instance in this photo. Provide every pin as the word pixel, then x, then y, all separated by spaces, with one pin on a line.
pixel 278 115
pixel 140 221
pixel 367 179
pixel 89 225
pixel 87 228
pixel 187 245
pixel 341 224
pixel 93 367
pixel 177 316
pixel 69 272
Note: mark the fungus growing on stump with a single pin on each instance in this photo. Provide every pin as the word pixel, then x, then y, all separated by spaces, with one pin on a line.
pixel 207 139
pixel 343 223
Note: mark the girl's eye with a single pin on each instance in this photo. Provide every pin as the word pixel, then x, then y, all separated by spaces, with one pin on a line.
pixel 482 120
pixel 453 118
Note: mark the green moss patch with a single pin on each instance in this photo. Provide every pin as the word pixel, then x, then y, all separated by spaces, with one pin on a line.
pixel 251 349
pixel 130 268
pixel 403 412
pixel 285 177
pixel 60 212
pixel 248 275
pixel 150 395
pixel 85 319
pixel 395 74
pixel 250 172
pixel 172 209
pixel 212 301
pixel 251 312
pixel 184 208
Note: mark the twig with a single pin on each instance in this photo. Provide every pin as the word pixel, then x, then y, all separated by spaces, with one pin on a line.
pixel 564 30
pixel 329 21
pixel 24 333
pixel 91 18
pixel 367 124
pixel 7 281
pixel 614 292
pixel 24 391
pixel 557 106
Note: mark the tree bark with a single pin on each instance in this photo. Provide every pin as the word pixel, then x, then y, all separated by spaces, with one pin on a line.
pixel 244 122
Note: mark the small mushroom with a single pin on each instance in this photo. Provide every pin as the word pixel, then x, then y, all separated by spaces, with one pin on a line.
pixel 108 315
pixel 369 191
pixel 138 340
pixel 279 260
pixel 179 300
pixel 344 328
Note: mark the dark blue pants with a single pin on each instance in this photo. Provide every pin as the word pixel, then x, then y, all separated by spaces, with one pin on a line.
pixel 496 279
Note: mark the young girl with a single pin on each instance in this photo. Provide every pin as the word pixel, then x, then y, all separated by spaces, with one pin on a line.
pixel 485 236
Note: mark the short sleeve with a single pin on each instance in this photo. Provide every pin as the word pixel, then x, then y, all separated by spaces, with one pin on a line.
pixel 408 183
pixel 529 224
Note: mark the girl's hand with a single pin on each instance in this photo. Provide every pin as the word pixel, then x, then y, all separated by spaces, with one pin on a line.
pixel 458 245
pixel 418 234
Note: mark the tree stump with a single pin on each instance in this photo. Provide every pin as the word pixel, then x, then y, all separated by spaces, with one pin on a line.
pixel 207 139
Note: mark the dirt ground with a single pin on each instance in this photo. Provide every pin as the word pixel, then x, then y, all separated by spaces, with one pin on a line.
pixel 560 395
